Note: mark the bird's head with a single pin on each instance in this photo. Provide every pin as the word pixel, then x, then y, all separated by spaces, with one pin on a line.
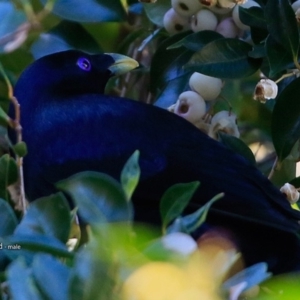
pixel 73 72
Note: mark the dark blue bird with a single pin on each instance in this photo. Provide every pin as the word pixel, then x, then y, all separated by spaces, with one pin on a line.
pixel 70 125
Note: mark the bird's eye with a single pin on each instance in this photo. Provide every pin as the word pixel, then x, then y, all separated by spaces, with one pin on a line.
pixel 84 64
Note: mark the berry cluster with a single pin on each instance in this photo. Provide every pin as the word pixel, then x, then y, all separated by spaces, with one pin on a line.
pixel 191 105
pixel 221 16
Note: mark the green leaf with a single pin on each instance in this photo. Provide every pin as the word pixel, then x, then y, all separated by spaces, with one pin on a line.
pixel 8 174
pixel 156 11
pixel 92 278
pixel 8 219
pixel 11 19
pixel 166 64
pixel 258 51
pixel 251 276
pixel 66 35
pixel 51 276
pixel 237 146
pixel 20 149
pixel 282 25
pixel 172 90
pixel 224 58
pixel 49 216
pixel 4 118
pixel 130 174
pixel 175 200
pixel 99 197
pixel 21 283
pixel 89 10
pixel 196 41
pixel 253 17
pixel 191 222
pixel 286 120
pixel 15 244
pixel 279 59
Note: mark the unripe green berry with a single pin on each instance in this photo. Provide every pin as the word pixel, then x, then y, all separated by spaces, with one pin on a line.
pixel 186 8
pixel 206 86
pixel 190 106
pixel 204 20
pixel 236 17
pixel 228 28
pixel 174 23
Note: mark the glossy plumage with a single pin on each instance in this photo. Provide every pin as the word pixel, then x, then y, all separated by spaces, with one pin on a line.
pixel 69 126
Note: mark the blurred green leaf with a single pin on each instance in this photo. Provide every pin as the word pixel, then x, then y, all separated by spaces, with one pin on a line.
pixel 237 145
pixel 130 174
pixel 91 278
pixel 251 276
pixel 196 41
pixel 279 59
pixel 51 277
pixel 286 120
pixel 8 219
pixel 65 36
pixel 99 197
pixel 175 200
pixel 224 58
pixel 49 216
pixel 156 11
pixel 21 283
pixel 89 10
pixel 4 118
pixel 11 19
pixel 282 25
pixel 191 222
pixel 280 287
pixel 20 149
pixel 8 174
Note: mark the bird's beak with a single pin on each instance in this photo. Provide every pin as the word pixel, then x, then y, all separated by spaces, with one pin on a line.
pixel 122 64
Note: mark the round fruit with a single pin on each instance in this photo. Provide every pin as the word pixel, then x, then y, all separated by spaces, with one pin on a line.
pixel 228 28
pixel 206 86
pixel 204 20
pixel 190 106
pixel 186 8
pixel 174 23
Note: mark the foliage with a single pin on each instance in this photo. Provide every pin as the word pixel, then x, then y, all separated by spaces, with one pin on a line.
pixel 44 254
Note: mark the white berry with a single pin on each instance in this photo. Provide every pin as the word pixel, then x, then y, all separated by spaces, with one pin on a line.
pixel 236 17
pixel 291 192
pixel 190 106
pixel 265 89
pixel 228 28
pixel 174 23
pixel 206 86
pixel 223 121
pixel 186 8
pixel 204 20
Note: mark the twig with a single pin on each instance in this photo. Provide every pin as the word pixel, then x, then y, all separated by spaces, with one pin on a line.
pixel 15 124
pixel 275 164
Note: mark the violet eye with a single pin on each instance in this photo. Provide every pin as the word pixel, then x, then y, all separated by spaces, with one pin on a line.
pixel 84 64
